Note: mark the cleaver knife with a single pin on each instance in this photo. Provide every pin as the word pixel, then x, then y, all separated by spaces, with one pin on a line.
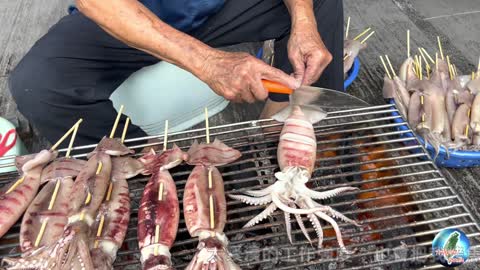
pixel 321 97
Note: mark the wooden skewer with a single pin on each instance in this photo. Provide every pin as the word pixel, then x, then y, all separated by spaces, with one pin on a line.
pixel 363 33
pixel 165 136
pixel 469 112
pixel 420 67
pixel 89 198
pixel 100 229
pixel 125 128
pixel 72 139
pixel 422 98
pixel 157 238
pixel 455 70
pixel 367 37
pixel 408 43
pixel 436 61
pixel 210 178
pixel 40 234
pixel 348 27
pixel 115 124
pixel 427 65
pixel 385 67
pixel 345 57
pixel 66 135
pixel 428 55
pixel 160 191
pixel 99 168
pixel 449 67
pixel 473 75
pixel 14 186
pixel 417 66
pixel 440 47
pixel 428 72
pixel 466 130
pixel 391 67
pixel 109 192
pixel 54 195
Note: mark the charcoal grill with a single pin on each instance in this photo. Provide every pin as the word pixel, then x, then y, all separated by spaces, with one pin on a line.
pixel 401 204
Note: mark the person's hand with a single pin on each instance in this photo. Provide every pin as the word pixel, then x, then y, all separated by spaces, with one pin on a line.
pixel 307 53
pixel 237 76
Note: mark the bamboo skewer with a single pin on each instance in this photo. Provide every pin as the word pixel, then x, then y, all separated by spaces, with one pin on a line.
pixel 391 67
pixel 348 27
pixel 66 135
pixel 450 67
pixel 362 34
pixel 428 55
pixel 367 37
pixel 436 61
pixel 385 67
pixel 57 186
pixel 427 65
pixel 165 136
pixel 440 47
pixel 125 128
pixel 17 183
pixel 408 43
pixel 115 124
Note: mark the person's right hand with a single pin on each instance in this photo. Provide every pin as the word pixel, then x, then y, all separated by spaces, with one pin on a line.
pixel 237 76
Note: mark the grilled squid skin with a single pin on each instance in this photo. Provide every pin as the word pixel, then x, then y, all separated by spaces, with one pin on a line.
pixel 116 215
pixel 159 214
pixel 61 168
pixel 296 158
pixel 205 206
pixel 14 200
pixel 72 250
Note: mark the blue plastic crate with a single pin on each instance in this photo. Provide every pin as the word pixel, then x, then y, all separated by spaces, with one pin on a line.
pixel 458 159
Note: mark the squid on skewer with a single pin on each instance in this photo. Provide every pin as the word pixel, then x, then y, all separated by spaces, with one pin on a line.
pixel 159 212
pixel 15 197
pixel 205 207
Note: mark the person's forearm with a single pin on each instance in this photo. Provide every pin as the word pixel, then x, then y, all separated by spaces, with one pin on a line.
pixel 135 25
pixel 301 12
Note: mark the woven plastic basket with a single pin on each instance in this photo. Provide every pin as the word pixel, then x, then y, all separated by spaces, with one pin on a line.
pixel 458 159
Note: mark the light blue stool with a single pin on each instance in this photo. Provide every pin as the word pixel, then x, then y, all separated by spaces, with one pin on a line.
pixel 166 92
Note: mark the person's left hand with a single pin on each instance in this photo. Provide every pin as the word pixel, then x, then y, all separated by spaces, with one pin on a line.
pixel 307 53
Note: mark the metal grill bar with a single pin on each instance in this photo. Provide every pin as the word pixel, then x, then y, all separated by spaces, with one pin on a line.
pixel 403 201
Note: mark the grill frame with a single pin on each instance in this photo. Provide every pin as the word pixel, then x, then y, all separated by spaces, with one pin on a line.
pixel 426 185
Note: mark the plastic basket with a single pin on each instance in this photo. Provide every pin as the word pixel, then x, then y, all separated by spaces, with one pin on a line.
pixel 458 159
pixel 352 74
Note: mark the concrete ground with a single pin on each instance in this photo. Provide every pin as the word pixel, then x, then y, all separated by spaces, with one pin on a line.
pixel 456 22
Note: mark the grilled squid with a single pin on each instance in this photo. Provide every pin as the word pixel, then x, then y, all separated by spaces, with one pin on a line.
pixel 72 250
pixel 205 207
pixel 159 211
pixel 111 224
pixel 296 158
pixel 50 206
pixel 15 197
pixel 475 120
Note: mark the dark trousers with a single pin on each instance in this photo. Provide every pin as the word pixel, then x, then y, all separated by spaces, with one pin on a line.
pixel 71 72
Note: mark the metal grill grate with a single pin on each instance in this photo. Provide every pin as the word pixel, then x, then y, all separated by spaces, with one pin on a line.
pixel 403 200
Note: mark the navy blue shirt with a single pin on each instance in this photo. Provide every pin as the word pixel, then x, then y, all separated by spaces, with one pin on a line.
pixel 184 15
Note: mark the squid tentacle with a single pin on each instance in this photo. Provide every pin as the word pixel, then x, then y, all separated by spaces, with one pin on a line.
pixel 252 201
pixel 260 192
pixel 276 199
pixel 326 194
pixel 288 226
pixel 263 215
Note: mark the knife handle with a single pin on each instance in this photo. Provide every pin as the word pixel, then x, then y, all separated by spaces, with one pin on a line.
pixel 274 87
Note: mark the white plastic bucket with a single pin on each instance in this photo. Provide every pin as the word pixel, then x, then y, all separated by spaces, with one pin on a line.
pixel 10 145
pixel 166 92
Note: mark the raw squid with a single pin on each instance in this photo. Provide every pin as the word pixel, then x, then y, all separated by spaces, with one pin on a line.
pixel 451 99
pixel 159 212
pixel 474 85
pixel 296 158
pixel 46 210
pixel 72 251
pixel 205 207
pixel 388 88
pixel 460 126
pixel 351 49
pixel 15 197
pixel 475 120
